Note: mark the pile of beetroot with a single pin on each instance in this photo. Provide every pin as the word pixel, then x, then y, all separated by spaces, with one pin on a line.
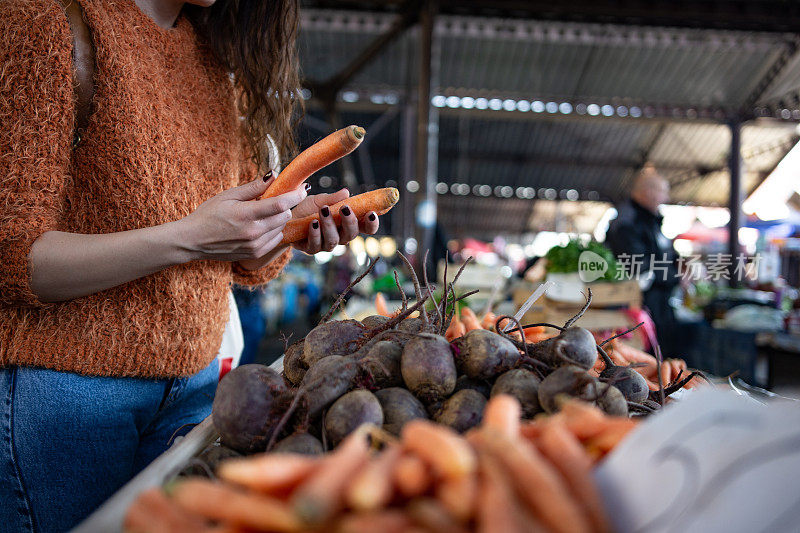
pixel 387 371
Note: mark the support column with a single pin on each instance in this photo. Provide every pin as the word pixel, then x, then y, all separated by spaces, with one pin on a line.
pixel 427 148
pixel 735 199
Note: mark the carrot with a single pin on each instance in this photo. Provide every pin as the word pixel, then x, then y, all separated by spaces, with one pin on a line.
pixel 380 201
pixel 153 512
pixel 322 494
pixel 456 328
pixel 498 510
pixel 441 447
pixel 634 355
pixel 372 487
pixel 384 521
pixel 458 496
pixel 488 320
pixel 568 456
pixel 224 503
pixel 582 419
pixel 268 473
pixel 321 154
pixel 551 501
pixel 380 305
pixel 430 515
pixel 469 319
pixel 410 476
pixel 609 438
pixel 502 414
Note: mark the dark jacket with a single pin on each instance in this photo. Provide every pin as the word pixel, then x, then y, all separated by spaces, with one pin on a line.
pixel 637 232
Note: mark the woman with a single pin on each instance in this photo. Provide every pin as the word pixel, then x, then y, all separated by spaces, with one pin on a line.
pixel 117 255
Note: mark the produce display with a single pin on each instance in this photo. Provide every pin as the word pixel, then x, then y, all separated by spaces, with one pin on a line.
pixel 503 476
pixel 410 376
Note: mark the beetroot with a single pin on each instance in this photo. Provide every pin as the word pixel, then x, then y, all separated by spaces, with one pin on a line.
pixel 462 411
pixel 349 412
pixel 382 363
pixel 566 381
pixel 303 443
pixel 373 321
pixel 573 346
pixel 247 406
pixel 336 337
pixel 428 368
pixel 610 399
pixel 327 380
pixel 411 325
pixel 523 385
pixel 294 368
pixel 466 382
pixel 399 406
pixel 206 462
pixel 630 383
pixel 483 354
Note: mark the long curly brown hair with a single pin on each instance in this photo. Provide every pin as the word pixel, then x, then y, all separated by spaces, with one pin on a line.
pixel 255 41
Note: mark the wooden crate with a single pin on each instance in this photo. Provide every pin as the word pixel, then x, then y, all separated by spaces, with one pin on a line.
pixel 604 294
pixel 608 294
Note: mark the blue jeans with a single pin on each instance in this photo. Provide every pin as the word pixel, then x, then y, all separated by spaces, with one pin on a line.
pixel 68 442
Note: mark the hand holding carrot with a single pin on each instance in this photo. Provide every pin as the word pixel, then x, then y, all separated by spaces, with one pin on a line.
pixel 233 226
pixel 313 227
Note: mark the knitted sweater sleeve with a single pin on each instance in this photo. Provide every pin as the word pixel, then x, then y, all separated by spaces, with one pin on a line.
pixel 36 125
pixel 262 276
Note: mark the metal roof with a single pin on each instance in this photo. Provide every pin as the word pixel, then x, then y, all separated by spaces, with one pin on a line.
pixel 577 107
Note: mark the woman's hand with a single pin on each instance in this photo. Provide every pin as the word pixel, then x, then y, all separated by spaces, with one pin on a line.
pixel 234 226
pixel 323 233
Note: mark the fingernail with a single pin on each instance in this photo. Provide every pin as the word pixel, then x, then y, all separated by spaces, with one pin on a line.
pixel 267 176
pixel 308 187
pixel 372 217
pixel 346 211
pixel 325 211
pixel 315 225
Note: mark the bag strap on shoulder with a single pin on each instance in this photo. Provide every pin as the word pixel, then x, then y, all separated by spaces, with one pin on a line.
pixel 84 66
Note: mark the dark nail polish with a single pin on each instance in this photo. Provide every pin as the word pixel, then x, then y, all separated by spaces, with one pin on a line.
pixel 325 211
pixel 315 225
pixel 346 211
pixel 308 187
pixel 372 217
pixel 267 176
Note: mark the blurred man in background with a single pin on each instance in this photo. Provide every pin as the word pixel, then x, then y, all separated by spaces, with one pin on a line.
pixel 635 238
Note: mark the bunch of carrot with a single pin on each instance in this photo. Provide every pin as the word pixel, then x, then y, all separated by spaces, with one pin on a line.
pixel 319 155
pixel 499 477
pixel 624 354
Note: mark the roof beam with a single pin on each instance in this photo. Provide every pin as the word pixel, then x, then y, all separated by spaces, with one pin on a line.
pixel 791 50
pixel 331 87
pixel 743 15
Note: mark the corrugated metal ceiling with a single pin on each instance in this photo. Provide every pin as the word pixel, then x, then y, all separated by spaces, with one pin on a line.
pixel 562 62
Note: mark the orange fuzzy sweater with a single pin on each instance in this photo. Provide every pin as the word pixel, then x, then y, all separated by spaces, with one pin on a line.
pixel 162 139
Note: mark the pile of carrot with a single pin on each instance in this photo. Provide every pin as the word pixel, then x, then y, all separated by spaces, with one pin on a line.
pixel 500 477
pixel 671 369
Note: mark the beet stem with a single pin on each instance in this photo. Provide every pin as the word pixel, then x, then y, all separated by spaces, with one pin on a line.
pixel 423 312
pixel 641 407
pixel 349 288
pixel 634 328
pixel 606 359
pixel 658 371
pixel 402 292
pixel 582 311
pixel 537 324
pixel 285 418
